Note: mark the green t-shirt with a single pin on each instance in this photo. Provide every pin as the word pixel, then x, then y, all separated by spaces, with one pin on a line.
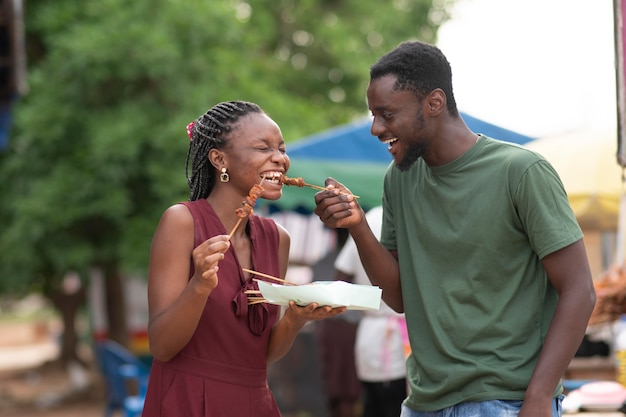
pixel 470 236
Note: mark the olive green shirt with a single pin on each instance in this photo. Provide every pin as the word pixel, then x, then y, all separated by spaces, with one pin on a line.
pixel 470 236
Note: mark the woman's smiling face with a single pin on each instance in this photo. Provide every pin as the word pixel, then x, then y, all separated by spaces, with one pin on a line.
pixel 255 151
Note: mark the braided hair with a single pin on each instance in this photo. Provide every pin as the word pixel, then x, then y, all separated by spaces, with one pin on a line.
pixel 211 131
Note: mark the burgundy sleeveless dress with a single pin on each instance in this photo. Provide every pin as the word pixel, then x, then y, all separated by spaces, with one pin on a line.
pixel 222 370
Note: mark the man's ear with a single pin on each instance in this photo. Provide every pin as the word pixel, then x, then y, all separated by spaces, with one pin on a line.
pixel 435 102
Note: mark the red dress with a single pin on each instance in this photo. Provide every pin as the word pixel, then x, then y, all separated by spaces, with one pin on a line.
pixel 222 370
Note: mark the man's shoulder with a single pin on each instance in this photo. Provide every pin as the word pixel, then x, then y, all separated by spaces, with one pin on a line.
pixel 511 154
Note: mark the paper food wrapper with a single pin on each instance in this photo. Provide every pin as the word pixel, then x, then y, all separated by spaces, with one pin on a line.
pixel 331 293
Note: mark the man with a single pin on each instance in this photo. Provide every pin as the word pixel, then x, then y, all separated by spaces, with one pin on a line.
pixel 479 248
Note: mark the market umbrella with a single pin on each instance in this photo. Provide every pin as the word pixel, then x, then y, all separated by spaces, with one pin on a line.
pixel 587 165
pixel 350 154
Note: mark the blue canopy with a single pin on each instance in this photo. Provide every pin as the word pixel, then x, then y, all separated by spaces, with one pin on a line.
pixel 352 156
pixel 354 142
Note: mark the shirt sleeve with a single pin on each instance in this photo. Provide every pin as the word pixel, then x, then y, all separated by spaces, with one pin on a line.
pixel 544 210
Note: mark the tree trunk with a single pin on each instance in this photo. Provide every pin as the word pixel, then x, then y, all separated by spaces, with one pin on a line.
pixel 68 304
pixel 116 306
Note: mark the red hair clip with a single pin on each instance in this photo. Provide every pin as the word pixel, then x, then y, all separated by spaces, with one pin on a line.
pixel 190 130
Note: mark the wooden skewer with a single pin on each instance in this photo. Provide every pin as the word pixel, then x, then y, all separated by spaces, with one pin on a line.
pixel 257 301
pixel 232 232
pixel 284 281
pixel 299 182
pixel 317 187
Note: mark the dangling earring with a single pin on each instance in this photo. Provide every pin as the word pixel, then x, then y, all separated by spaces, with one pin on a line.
pixel 224 177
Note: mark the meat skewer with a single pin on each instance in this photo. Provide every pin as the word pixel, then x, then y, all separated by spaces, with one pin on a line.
pixel 248 205
pixel 299 182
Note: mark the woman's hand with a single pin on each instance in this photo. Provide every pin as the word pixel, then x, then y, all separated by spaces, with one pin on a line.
pixel 206 257
pixel 299 315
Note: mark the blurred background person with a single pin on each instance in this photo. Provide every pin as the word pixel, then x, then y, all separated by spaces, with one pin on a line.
pixel 335 343
pixel 381 343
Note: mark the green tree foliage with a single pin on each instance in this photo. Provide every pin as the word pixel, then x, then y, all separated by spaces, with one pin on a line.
pixel 99 142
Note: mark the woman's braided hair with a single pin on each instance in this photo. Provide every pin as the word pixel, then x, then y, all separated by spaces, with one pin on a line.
pixel 210 131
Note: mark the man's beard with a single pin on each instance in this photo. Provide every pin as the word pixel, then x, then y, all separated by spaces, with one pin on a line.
pixel 413 154
pixel 416 150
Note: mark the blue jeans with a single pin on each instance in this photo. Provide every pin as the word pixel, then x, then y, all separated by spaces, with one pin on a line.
pixel 494 408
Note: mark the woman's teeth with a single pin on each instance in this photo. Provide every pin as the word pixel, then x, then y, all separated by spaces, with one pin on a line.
pixel 272 177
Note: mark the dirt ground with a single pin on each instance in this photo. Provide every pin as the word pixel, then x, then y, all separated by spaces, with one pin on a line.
pixel 32 385
pixel 47 391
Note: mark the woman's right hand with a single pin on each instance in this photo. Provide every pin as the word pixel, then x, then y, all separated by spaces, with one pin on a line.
pixel 206 257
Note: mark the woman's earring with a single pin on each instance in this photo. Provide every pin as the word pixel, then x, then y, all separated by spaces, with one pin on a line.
pixel 224 177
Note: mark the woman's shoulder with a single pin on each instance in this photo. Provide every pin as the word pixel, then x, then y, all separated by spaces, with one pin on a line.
pixel 177 214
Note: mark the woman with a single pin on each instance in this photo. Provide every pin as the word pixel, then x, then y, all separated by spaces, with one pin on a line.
pixel 210 347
